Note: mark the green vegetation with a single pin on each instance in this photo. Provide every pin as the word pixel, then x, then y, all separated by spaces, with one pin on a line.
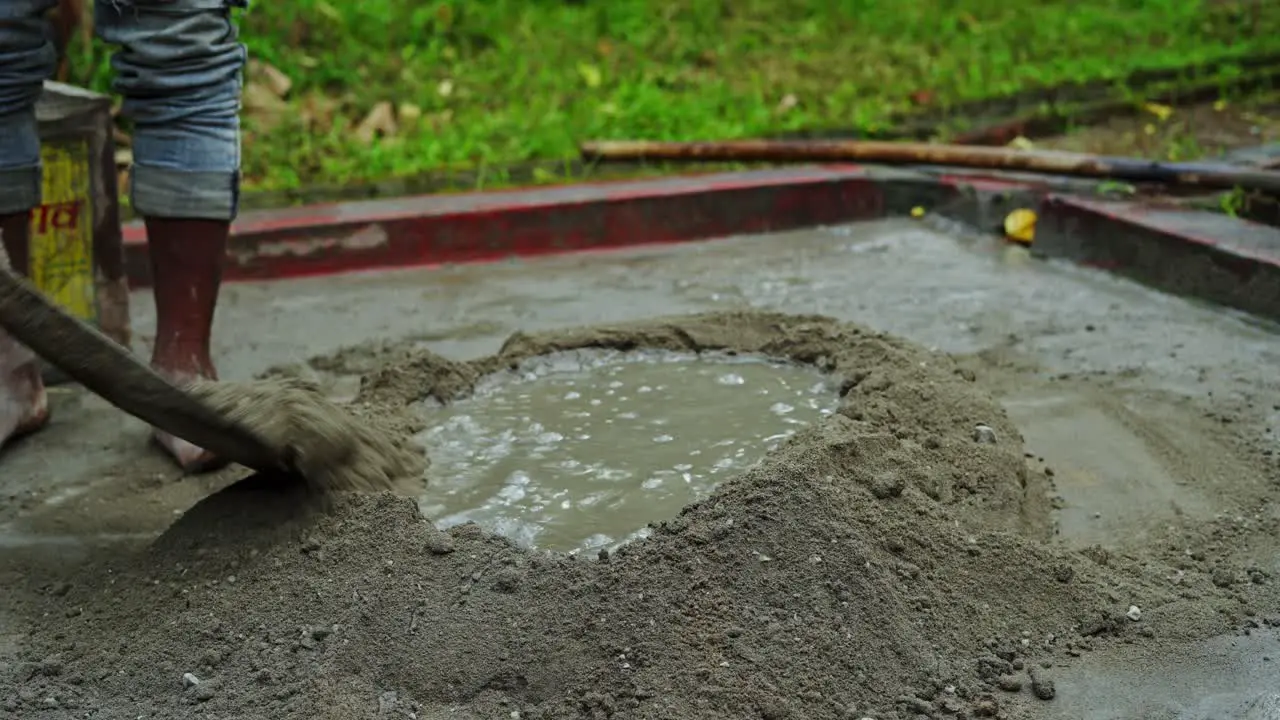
pixel 501 81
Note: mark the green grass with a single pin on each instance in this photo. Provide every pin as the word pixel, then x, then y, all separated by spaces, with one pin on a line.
pixel 530 79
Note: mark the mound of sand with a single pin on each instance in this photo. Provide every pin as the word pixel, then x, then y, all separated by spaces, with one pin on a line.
pixel 885 563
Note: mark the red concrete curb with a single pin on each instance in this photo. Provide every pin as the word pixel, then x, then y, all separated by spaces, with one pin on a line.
pixel 1193 253
pixel 483 226
pixel 1187 252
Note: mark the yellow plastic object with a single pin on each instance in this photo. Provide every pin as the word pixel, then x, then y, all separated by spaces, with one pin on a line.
pixel 1020 225
pixel 62 230
pixel 917 212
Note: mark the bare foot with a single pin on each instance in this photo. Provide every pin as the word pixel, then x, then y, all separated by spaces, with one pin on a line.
pixel 191 458
pixel 24 406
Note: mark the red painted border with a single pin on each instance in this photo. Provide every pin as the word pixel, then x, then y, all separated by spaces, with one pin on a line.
pixel 483 226
pixel 1199 254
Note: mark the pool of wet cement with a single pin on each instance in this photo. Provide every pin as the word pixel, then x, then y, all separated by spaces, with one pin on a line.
pixel 1111 383
pixel 582 450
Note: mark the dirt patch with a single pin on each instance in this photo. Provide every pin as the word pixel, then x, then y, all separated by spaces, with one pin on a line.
pixel 888 563
pixel 1188 133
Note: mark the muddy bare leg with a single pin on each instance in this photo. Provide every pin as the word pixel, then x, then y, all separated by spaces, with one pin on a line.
pixel 186 267
pixel 27 58
pixel 178 70
pixel 24 406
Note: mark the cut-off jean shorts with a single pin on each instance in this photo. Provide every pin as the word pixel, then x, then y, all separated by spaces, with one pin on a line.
pixel 178 68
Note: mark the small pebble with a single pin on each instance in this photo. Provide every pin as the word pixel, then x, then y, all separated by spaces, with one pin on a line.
pixel 189 680
pixel 440 544
pixel 1009 683
pixel 984 434
pixel 1134 613
pixel 1043 687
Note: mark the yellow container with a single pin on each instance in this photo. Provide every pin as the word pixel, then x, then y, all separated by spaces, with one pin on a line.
pixel 62 229
pixel 77 249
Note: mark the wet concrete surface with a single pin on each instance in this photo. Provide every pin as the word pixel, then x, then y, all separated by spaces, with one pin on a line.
pixel 896 276
pixel 1243 683
pixel 1090 442
pixel 1128 458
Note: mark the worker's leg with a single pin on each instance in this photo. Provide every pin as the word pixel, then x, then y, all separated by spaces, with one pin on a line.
pixel 178 69
pixel 27 58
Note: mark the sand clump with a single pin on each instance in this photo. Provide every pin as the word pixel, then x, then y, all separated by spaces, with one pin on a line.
pixel 334 449
pixel 887 563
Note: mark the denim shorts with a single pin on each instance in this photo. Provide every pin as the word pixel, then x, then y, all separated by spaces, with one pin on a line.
pixel 178 68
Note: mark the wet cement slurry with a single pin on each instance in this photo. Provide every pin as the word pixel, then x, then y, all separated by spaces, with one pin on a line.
pixel 580 451
pixel 1125 393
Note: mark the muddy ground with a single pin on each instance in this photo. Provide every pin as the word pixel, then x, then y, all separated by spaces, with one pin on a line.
pixel 1108 537
pixel 1204 130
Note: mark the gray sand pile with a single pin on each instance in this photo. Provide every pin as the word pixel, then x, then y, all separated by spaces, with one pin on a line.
pixel 887 563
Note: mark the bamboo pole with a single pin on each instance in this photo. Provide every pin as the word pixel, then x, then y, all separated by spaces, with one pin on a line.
pixel 1207 175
